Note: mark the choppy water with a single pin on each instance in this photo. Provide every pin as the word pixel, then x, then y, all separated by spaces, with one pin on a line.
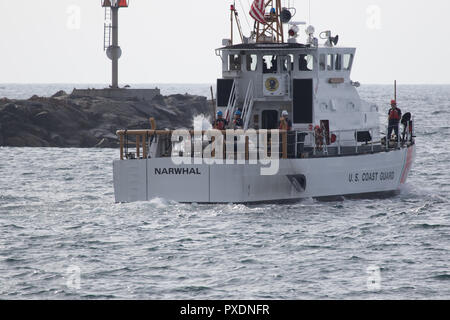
pixel 58 220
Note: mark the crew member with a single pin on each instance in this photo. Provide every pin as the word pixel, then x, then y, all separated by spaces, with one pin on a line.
pixel 237 122
pixel 395 115
pixel 220 123
pixel 318 133
pixel 285 123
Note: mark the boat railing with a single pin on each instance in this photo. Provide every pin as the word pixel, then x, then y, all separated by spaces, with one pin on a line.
pixel 292 144
pixel 160 142
pixel 405 137
pixel 232 100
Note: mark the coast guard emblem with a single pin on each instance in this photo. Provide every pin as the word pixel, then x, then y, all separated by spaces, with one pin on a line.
pixel 272 84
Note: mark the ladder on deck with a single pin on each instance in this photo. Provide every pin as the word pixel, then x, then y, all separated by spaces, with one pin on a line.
pixel 107 29
pixel 248 105
pixel 231 107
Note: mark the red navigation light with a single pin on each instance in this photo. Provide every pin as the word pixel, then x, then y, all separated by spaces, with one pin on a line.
pixel 123 3
pixel 115 3
pixel 232 7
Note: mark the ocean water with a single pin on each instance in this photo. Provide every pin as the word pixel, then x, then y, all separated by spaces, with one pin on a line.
pixel 63 237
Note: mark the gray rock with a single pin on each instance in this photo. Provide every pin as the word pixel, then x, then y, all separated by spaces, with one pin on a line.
pixel 26 140
pixel 66 121
pixel 60 93
pixel 10 107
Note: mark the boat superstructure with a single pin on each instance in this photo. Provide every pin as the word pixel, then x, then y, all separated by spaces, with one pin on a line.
pixel 334 146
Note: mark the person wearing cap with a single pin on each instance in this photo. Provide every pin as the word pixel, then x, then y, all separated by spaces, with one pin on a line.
pixel 394 117
pixel 318 133
pixel 220 123
pixel 285 123
pixel 237 122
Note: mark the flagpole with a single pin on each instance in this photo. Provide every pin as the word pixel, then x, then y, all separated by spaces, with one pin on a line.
pixel 231 21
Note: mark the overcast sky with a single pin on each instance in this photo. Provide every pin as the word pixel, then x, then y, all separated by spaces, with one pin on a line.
pixel 49 41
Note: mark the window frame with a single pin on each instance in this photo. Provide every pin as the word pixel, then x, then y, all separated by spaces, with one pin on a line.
pixel 239 59
pixel 254 58
pixel 307 56
pixel 338 58
pixel 350 61
pixel 323 62
pixel 330 62
pixel 274 66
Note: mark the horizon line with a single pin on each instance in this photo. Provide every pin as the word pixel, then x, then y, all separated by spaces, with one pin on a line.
pixel 185 83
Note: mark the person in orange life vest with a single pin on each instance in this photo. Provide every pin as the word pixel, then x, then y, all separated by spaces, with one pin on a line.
pixel 319 137
pixel 395 115
pixel 285 123
pixel 237 122
pixel 220 123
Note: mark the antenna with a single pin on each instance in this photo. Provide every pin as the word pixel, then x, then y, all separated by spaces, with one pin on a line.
pixel 111 36
pixel 395 90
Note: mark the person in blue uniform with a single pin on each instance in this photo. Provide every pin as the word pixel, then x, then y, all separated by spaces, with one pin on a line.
pixel 220 123
pixel 237 122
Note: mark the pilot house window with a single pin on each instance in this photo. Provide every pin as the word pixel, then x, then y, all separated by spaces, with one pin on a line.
pixel 348 61
pixel 270 64
pixel 252 62
pixel 235 62
pixel 306 62
pixel 322 62
pixel 330 62
pixel 335 62
pixel 287 63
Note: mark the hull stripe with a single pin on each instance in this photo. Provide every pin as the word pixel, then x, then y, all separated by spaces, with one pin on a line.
pixel 408 163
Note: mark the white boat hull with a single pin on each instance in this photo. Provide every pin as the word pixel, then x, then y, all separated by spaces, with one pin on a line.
pixel 146 179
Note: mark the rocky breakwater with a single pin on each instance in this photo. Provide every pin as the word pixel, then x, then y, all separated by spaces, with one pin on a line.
pixel 84 122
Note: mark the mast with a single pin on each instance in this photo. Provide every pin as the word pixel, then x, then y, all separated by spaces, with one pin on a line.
pixel 234 17
pixel 272 29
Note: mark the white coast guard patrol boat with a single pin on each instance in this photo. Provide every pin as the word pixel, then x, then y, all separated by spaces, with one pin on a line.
pixel 333 147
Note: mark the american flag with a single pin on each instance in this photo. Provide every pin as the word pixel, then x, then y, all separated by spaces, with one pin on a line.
pixel 257 11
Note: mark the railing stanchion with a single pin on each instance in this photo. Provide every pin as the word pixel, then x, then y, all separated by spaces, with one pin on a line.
pixel 247 157
pixel 314 142
pixel 296 145
pixel 213 152
pixel 144 146
pixel 138 147
pixel 371 135
pixel 387 139
pixel 121 147
pixel 339 143
pixel 224 146
pixel 284 135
